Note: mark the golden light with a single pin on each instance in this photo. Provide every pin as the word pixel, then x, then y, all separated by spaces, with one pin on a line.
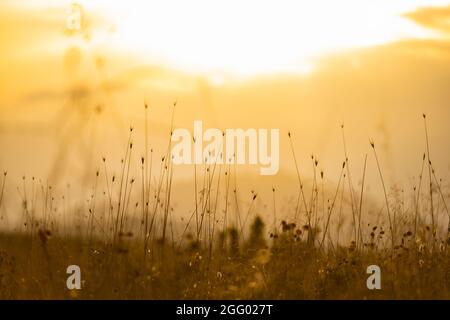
pixel 241 38
pixel 251 37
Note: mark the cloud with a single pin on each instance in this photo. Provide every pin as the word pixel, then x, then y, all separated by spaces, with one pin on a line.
pixel 437 18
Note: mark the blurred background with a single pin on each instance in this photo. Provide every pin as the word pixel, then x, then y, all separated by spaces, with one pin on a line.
pixel 74 76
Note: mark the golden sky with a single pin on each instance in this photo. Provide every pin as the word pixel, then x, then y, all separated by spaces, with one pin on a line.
pixel 374 65
pixel 215 37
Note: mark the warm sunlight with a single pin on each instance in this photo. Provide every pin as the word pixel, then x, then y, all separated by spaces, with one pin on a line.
pixel 251 37
pixel 244 150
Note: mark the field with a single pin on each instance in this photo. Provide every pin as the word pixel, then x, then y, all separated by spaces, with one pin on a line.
pixel 124 242
pixel 33 268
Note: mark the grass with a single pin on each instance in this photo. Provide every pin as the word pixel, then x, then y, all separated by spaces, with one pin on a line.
pixel 130 244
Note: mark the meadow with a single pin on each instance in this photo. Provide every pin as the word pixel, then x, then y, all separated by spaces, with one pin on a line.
pixel 129 242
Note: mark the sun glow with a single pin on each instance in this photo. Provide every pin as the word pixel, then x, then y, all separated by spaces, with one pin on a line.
pixel 249 37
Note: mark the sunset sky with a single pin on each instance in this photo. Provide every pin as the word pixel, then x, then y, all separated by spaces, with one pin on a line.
pixel 301 66
pixel 216 38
